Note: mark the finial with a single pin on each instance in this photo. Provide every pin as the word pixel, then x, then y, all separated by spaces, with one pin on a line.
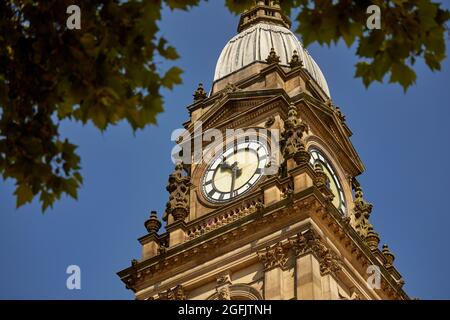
pixel 153 224
pixel 372 238
pixel 339 114
pixel 388 255
pixel 200 93
pixel 273 58
pixel 178 188
pixel 295 61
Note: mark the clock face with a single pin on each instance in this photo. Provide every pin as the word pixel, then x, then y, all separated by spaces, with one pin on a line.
pixel 235 171
pixel 333 180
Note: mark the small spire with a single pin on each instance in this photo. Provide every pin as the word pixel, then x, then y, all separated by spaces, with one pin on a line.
pixel 388 255
pixel 295 60
pixel 273 58
pixel 153 224
pixel 200 93
pixel 372 238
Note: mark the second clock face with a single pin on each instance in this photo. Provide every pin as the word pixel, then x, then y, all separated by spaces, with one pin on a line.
pixel 235 172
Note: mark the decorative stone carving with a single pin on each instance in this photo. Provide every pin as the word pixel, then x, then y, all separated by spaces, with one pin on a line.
pixel 362 212
pixel 321 180
pixel 292 138
pixel 178 187
pixel 288 192
pixel 372 238
pixel 231 87
pixel 310 242
pixel 162 249
pixel 223 278
pixel 274 256
pixel 339 114
pixel 176 293
pixel 223 293
pixel 273 58
pixel 388 255
pixel 223 286
pixel 269 122
pixel 153 224
pixel 295 61
pixel 200 93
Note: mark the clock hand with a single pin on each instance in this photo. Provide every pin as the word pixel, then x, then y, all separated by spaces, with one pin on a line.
pixel 233 179
pixel 225 166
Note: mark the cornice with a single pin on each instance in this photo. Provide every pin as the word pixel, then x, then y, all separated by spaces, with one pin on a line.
pixel 309 201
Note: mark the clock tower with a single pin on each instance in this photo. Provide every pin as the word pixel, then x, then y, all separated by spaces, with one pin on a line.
pixel 264 201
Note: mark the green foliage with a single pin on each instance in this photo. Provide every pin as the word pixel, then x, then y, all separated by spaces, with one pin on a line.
pixel 410 29
pixel 106 72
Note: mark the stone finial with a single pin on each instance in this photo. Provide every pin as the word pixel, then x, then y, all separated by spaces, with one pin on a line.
pixel 200 93
pixel 178 187
pixel 329 103
pixel 388 255
pixel 372 238
pixel 153 224
pixel 293 145
pixel 273 58
pixel 339 113
pixel 295 60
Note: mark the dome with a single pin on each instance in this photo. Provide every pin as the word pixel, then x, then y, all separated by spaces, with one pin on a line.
pixel 254 44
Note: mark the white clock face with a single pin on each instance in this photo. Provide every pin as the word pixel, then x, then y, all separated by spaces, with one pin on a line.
pixel 236 171
pixel 333 180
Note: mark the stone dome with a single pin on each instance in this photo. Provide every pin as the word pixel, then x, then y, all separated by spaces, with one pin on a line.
pixel 254 44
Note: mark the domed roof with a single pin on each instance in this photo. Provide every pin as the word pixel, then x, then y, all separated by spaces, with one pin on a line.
pixel 254 44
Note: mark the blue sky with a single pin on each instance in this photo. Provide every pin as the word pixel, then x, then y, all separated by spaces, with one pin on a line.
pixel 401 138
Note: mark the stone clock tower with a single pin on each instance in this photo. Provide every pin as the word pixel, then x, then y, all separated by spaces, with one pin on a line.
pixel 235 230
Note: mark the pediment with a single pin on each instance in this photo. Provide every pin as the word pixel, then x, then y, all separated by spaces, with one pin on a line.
pixel 332 129
pixel 240 104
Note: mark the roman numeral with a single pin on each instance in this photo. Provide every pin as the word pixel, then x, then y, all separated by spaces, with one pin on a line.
pixel 211 193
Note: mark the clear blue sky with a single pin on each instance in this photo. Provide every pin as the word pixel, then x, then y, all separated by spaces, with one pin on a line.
pixel 401 138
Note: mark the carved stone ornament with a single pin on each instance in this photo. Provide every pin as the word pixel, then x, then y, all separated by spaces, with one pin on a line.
pixel 292 138
pixel 295 61
pixel 273 58
pixel 231 87
pixel 274 256
pixel 321 180
pixel 178 187
pixel 339 114
pixel 223 286
pixel 362 213
pixel 388 255
pixel 153 224
pixel 176 293
pixel 200 93
pixel 372 238
pixel 223 293
pixel 223 279
pixel 310 242
pixel 270 121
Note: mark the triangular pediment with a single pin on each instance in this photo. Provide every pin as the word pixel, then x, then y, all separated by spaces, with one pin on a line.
pixel 239 104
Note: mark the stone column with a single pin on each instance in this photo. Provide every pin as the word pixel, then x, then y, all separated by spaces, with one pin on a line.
pixel 315 265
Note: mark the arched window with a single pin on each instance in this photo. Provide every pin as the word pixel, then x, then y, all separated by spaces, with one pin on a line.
pixel 333 180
